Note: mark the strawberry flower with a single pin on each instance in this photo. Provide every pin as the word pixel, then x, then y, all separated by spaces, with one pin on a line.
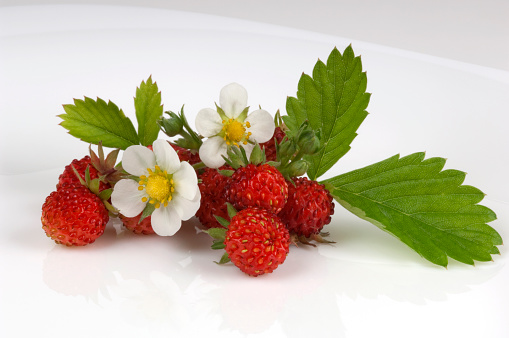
pixel 159 179
pixel 231 126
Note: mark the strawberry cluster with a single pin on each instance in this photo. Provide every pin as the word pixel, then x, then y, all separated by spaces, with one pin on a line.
pixel 254 208
pixel 268 205
pixel 76 213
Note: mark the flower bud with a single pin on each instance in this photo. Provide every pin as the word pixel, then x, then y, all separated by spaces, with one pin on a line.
pixel 172 126
pixel 308 142
pixel 297 168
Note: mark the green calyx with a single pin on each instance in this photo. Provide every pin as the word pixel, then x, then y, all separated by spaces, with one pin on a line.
pixel 219 234
pixel 93 186
pixel 237 156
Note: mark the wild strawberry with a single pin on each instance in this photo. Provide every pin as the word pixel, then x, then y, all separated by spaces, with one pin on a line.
pixel 256 241
pixel 184 154
pixel 73 215
pixel 270 147
pixel 69 176
pixel 133 223
pixel 213 196
pixel 260 186
pixel 308 209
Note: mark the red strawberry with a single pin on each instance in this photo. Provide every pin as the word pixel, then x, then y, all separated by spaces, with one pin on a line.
pixel 260 186
pixel 213 196
pixel 256 241
pixel 270 146
pixel 69 176
pixel 133 223
pixel 308 209
pixel 187 155
pixel 73 215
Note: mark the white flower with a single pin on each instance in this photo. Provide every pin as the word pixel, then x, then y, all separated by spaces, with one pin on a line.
pixel 231 126
pixel 162 180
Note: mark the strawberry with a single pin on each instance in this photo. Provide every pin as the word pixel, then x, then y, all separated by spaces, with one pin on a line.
pixel 308 209
pixel 260 186
pixel 133 223
pixel 213 196
pixel 184 154
pixel 73 215
pixel 69 176
pixel 270 147
pixel 256 241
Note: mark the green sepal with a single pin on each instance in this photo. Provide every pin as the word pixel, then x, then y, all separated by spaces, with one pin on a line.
pixel 222 221
pixel 82 181
pixel 218 245
pixel 242 116
pixel 236 157
pixel 221 112
pixel 224 259
pixel 93 185
pixel 216 233
pixel 105 194
pixel 149 209
pixel 226 172
pixel 257 155
pixel 231 210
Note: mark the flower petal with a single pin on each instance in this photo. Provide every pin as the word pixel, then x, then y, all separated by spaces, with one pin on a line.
pixel 137 159
pixel 262 125
pixel 127 198
pixel 165 221
pixel 233 99
pixel 185 180
pixel 208 122
pixel 186 208
pixel 166 156
pixel 211 151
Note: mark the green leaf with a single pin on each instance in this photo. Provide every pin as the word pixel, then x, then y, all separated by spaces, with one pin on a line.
pixel 95 121
pixel 333 101
pixel 148 111
pixel 424 206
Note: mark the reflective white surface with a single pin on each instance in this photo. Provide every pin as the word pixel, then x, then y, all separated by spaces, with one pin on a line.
pixel 366 284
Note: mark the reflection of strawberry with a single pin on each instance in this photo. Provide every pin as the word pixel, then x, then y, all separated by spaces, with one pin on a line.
pixel 73 215
pixel 260 186
pixel 213 196
pixel 256 241
pixel 270 146
pixel 133 223
pixel 308 209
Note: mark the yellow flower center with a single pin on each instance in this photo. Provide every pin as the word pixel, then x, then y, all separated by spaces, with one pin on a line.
pixel 158 185
pixel 235 132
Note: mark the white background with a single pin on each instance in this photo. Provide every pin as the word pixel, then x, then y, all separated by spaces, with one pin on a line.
pixel 449 101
